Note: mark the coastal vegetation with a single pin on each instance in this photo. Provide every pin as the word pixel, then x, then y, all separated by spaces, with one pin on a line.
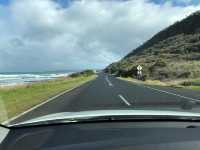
pixel 17 99
pixel 172 55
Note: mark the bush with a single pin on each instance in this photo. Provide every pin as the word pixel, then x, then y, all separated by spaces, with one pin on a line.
pixel 83 73
pixel 144 78
pixel 186 83
pixel 160 63
pixel 157 65
pixel 164 74
pixel 88 72
pixel 193 39
pixel 156 53
pixel 74 75
pixel 124 73
pixel 184 75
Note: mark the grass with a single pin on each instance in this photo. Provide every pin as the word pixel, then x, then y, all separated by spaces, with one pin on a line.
pixel 17 99
pixel 194 87
pixel 194 84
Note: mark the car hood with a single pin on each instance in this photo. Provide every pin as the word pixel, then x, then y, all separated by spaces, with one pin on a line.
pixel 85 115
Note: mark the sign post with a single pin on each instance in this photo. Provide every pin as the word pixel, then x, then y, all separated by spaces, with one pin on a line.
pixel 139 72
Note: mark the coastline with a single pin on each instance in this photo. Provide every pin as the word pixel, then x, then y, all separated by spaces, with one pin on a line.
pixel 19 98
pixel 24 79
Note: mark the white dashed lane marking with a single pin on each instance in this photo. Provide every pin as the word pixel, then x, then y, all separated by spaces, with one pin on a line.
pixel 108 81
pixel 124 100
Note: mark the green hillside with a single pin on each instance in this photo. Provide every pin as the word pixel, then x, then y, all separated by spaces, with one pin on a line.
pixel 173 53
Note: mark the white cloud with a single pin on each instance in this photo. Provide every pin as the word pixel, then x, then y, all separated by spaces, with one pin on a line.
pixel 41 35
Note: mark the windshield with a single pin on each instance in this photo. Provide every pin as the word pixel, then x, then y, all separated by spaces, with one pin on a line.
pixel 61 56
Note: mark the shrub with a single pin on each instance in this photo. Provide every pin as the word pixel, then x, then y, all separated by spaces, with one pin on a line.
pixel 160 63
pixel 83 73
pixel 164 74
pixel 88 72
pixel 74 75
pixel 185 74
pixel 186 83
pixel 144 77
pixel 156 53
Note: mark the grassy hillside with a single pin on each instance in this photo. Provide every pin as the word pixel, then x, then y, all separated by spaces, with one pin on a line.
pixel 172 54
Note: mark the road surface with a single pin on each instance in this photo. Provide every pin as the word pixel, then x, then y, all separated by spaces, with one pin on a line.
pixel 108 92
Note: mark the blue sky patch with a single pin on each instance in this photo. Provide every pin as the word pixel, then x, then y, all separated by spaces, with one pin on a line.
pixel 4 2
pixel 66 3
pixel 178 2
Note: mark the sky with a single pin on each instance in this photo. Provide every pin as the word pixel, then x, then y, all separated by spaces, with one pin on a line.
pixel 43 35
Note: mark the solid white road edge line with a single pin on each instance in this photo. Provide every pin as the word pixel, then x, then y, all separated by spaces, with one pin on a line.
pixel 39 105
pixel 124 100
pixel 162 91
pixel 170 93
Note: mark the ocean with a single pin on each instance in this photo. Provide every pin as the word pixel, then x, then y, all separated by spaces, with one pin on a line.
pixel 10 79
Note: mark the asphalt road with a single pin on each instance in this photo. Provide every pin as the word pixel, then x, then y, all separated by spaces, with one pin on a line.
pixel 108 92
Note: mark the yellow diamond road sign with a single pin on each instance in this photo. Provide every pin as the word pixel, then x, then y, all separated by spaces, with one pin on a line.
pixel 139 68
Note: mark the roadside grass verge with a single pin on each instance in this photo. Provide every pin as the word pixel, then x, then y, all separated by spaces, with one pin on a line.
pixel 194 87
pixel 181 83
pixel 17 99
pixel 192 84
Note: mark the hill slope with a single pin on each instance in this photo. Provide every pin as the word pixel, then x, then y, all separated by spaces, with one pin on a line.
pixel 172 53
